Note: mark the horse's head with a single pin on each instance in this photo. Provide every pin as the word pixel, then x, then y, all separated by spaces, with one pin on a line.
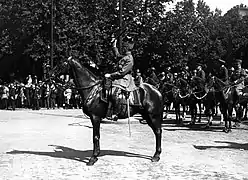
pixel 60 68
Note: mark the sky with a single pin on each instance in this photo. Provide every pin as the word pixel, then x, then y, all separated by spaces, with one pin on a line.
pixel 224 5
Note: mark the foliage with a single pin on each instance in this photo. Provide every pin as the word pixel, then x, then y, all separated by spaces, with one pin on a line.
pixel 189 34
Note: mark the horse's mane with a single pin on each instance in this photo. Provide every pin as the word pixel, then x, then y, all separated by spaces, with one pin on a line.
pixel 93 71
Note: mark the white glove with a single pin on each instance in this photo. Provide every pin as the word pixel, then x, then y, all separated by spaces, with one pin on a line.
pixel 107 75
pixel 69 58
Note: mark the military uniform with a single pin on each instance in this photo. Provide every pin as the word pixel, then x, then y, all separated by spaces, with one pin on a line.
pixel 201 74
pixel 125 64
pixel 223 75
pixel 199 79
pixel 123 75
pixel 153 79
pixel 238 79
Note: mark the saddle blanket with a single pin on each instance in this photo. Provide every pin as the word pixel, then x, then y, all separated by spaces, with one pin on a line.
pixel 134 96
pixel 126 83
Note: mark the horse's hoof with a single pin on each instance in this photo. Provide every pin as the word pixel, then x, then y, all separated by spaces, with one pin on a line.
pixel 115 118
pixel 221 123
pixel 229 130
pixel 207 126
pixel 92 161
pixel 192 123
pixel 155 158
pixel 236 125
pixel 210 124
pixel 225 130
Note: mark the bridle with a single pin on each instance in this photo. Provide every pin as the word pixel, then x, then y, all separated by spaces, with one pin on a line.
pixel 58 69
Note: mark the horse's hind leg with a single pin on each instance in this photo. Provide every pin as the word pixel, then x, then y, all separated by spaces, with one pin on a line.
pixel 154 121
pixel 96 137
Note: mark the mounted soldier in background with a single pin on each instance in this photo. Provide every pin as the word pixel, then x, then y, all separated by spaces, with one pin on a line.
pixel 169 75
pixel 122 78
pixel 198 80
pixel 152 78
pixel 223 73
pixel 238 76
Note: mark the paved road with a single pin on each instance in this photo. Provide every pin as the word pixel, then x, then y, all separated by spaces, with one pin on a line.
pixel 55 144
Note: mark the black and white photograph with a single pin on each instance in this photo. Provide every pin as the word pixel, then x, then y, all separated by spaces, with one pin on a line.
pixel 124 89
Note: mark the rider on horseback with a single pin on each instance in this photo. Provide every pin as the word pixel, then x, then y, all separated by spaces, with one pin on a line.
pixel 223 73
pixel 122 75
pixel 238 76
pixel 126 62
pixel 199 79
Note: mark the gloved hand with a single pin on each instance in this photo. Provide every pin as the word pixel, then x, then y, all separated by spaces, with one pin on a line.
pixel 107 75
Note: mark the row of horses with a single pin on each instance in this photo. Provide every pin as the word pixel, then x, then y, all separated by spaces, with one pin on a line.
pixel 90 87
pixel 211 94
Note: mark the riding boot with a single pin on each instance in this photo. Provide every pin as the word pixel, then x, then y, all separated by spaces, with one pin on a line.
pixel 109 111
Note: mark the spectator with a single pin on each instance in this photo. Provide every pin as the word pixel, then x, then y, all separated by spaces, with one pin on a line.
pixel 5 96
pixel 67 95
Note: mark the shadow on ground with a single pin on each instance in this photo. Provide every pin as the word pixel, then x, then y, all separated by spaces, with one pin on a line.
pixel 170 125
pixel 231 145
pixel 60 115
pixel 82 156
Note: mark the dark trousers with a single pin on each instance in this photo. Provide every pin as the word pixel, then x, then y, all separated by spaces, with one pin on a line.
pixel 12 103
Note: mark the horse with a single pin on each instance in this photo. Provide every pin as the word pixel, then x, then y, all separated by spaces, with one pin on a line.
pixel 181 93
pixel 166 90
pixel 90 87
pixel 211 102
pixel 199 92
pixel 228 98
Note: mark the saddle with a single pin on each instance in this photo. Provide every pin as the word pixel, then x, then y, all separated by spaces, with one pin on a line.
pixel 122 88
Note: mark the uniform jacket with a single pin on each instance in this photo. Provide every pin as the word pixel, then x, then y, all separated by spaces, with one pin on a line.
pixel 125 64
pixel 237 74
pixel 223 75
pixel 201 74
pixel 153 79
pixel 169 77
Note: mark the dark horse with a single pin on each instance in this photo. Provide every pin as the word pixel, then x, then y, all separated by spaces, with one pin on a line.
pixel 166 90
pixel 181 95
pixel 228 98
pixel 199 92
pixel 89 87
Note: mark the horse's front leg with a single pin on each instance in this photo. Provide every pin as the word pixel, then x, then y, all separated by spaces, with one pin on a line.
pixel 228 119
pixel 184 112
pixel 96 137
pixel 200 111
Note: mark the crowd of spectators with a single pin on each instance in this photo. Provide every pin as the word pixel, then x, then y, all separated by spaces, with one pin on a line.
pixel 34 94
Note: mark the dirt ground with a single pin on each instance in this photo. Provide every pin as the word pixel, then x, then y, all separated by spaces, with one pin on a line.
pixel 56 144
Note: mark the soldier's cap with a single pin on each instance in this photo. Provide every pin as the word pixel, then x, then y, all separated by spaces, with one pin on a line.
pixel 153 68
pixel 162 73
